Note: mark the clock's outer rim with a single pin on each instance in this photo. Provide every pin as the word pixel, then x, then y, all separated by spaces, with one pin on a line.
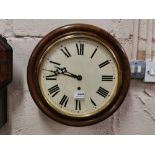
pixel 33 80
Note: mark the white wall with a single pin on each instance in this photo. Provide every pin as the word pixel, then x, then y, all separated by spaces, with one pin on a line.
pixel 135 116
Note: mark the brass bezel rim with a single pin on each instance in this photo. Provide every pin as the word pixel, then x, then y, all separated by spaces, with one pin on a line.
pixel 90 37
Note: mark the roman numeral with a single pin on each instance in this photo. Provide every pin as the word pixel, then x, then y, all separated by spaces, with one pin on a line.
pixel 103 92
pixel 93 102
pixel 51 77
pixel 56 63
pixel 66 52
pixel 93 53
pixel 104 63
pixel 64 101
pixel 54 90
pixel 80 48
pixel 78 105
pixel 107 77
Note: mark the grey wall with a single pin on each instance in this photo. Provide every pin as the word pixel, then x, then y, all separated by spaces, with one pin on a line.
pixel 135 116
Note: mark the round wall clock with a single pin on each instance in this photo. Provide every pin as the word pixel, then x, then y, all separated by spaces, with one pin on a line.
pixel 78 74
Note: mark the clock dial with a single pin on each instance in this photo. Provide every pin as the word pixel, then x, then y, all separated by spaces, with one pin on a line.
pixel 78 76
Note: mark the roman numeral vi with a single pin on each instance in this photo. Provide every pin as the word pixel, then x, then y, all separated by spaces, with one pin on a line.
pixel 78 105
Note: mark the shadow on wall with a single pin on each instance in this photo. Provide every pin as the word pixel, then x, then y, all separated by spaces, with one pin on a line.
pixel 106 127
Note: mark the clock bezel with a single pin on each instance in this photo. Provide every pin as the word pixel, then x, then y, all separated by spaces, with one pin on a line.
pixel 81 36
pixel 81 29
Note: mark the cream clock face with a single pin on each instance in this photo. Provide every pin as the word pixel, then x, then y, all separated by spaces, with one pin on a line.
pixel 78 76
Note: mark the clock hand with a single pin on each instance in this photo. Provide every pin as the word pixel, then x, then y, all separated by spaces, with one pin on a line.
pixel 48 70
pixel 56 72
pixel 78 77
pixel 65 72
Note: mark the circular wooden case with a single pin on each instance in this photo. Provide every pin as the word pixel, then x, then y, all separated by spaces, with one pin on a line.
pixel 93 31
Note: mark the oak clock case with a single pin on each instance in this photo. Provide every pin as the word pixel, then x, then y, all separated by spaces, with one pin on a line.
pixel 78 75
pixel 6 58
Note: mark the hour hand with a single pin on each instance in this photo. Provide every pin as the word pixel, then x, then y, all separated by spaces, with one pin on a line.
pixel 65 72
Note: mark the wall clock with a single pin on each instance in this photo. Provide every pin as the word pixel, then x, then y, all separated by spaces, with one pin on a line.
pixel 78 74
pixel 5 77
